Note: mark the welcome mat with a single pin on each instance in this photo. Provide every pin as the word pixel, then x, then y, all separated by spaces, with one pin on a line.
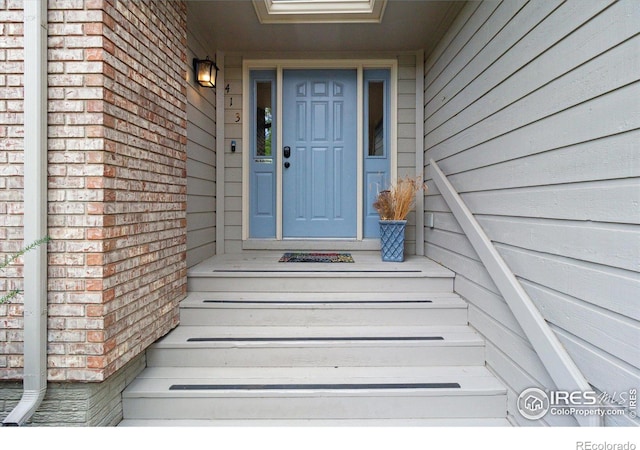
pixel 317 257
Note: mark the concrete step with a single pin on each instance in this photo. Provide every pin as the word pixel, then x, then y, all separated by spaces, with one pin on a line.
pixel 322 309
pixel 183 393
pixel 192 346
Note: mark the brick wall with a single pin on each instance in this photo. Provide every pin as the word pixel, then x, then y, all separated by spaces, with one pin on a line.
pixel 144 229
pixel 117 181
pixel 11 176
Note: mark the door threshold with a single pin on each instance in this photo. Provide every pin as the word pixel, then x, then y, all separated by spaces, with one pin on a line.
pixel 311 244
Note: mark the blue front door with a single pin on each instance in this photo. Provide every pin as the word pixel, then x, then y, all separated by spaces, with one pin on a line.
pixel 319 182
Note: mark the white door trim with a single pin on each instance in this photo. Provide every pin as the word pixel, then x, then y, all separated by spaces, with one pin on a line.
pixel 279 65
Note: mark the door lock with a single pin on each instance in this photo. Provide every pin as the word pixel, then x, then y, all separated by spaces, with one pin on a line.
pixel 286 152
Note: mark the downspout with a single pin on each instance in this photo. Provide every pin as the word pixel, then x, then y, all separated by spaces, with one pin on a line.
pixel 35 213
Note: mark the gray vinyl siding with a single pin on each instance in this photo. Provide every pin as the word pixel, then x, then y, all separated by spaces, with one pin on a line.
pixel 233 161
pixel 532 110
pixel 407 134
pixel 201 164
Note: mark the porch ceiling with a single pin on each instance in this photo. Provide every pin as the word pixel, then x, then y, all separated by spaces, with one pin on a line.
pixel 233 26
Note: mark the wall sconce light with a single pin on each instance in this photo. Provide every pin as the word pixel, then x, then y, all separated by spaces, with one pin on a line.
pixel 206 72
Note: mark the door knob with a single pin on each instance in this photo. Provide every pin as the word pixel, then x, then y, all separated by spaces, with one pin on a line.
pixel 287 165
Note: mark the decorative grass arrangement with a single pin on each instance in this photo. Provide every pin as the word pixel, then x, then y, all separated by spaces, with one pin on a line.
pixel 396 202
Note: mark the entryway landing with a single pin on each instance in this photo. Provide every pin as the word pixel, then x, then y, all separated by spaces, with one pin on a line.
pixel 261 271
pixel 364 261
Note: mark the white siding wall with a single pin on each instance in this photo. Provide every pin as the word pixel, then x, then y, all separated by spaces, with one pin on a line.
pixel 533 111
pixel 201 163
pixel 233 131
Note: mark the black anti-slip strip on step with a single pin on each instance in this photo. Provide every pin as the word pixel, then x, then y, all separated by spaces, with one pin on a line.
pixel 316 338
pixel 313 271
pixel 316 302
pixel 276 387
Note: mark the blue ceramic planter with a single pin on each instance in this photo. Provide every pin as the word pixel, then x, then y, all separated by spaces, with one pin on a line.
pixel 392 240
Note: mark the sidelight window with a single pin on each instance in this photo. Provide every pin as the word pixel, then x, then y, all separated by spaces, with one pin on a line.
pixel 264 119
pixel 376 118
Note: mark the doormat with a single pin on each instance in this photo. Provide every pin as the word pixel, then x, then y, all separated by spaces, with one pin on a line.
pixel 317 257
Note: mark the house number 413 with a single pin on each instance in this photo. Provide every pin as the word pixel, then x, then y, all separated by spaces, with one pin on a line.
pixel 227 89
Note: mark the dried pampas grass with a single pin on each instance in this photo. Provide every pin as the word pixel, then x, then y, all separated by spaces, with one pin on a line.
pixel 396 202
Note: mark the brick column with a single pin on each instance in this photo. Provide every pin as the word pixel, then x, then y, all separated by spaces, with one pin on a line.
pixel 117 181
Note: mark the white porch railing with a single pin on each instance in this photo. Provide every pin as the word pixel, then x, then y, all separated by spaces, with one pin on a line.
pixel 562 369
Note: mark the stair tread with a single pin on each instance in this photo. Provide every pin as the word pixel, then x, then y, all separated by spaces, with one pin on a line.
pixel 452 335
pixel 310 300
pixel 458 422
pixel 314 372
pixel 157 380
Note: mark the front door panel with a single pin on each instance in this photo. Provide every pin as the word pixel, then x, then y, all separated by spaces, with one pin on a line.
pixel 319 186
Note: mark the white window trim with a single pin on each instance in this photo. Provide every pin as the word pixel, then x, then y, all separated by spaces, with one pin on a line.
pixel 279 66
pixel 320 11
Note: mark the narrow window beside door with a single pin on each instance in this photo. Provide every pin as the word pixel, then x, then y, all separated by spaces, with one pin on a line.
pixel 376 118
pixel 264 119
pixel 262 181
pixel 377 144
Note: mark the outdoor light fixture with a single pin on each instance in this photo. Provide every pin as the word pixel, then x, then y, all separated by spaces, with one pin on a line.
pixel 206 72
